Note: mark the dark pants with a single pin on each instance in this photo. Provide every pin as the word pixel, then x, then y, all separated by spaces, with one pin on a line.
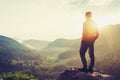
pixel 84 46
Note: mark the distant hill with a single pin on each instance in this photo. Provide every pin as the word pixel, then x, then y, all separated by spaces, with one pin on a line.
pixel 35 44
pixel 57 46
pixel 62 45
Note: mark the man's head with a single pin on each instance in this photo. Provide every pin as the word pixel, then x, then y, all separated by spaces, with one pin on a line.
pixel 88 15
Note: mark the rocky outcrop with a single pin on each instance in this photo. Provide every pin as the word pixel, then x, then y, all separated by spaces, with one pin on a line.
pixel 77 75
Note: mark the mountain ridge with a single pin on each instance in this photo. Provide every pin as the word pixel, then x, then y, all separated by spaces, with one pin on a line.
pixel 35 44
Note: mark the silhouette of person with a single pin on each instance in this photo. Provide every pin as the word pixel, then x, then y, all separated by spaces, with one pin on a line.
pixel 89 35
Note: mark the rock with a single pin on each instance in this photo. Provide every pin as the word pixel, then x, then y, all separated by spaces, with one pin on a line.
pixel 77 75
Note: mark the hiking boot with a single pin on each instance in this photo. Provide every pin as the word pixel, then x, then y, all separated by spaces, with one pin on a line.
pixel 90 70
pixel 83 70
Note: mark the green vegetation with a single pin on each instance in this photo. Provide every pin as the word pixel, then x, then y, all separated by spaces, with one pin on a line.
pixel 16 76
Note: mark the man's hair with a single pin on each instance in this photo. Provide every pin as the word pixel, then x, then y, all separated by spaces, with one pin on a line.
pixel 88 14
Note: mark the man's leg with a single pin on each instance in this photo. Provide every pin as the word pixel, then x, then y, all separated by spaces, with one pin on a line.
pixel 83 50
pixel 92 58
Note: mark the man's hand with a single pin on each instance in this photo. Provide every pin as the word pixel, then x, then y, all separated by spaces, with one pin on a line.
pixel 96 35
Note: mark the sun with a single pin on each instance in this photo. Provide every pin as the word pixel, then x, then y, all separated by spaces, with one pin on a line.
pixel 106 20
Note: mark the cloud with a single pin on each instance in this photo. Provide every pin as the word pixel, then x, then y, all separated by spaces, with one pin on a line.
pixel 99 2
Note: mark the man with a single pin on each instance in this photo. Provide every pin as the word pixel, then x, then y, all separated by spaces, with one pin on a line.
pixel 89 35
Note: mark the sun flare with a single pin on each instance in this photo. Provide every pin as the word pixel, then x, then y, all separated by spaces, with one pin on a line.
pixel 105 20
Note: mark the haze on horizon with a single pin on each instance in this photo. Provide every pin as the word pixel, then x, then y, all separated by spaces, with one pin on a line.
pixel 52 19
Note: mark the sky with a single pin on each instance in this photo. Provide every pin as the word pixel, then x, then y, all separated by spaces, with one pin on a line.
pixel 53 19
